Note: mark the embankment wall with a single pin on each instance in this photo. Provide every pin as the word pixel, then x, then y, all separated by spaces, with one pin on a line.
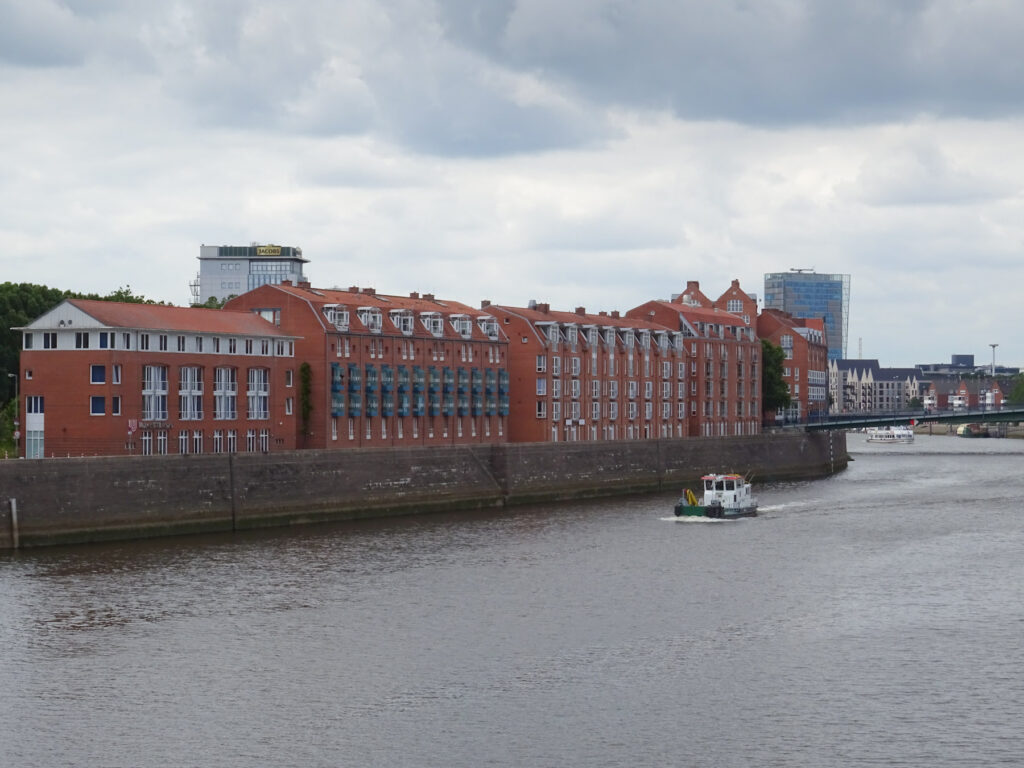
pixel 58 501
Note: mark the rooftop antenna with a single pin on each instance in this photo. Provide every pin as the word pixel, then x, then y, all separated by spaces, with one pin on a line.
pixel 801 269
pixel 860 347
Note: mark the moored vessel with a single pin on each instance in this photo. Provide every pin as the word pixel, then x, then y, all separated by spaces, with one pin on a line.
pixel 890 434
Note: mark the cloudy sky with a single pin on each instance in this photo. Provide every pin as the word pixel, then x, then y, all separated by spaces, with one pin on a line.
pixel 580 152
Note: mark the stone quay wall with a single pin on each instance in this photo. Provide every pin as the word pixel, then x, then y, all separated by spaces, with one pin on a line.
pixel 77 500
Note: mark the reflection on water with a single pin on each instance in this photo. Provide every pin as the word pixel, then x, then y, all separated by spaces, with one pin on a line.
pixel 869 618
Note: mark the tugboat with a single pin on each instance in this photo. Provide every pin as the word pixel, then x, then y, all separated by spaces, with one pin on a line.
pixel 725 496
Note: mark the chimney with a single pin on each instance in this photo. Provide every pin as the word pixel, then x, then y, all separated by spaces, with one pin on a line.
pixel 615 314
pixel 735 283
pixel 603 313
pixel 304 284
pixel 370 291
pixel 414 294
pixel 545 308
pixel 581 310
pixel 286 282
pixel 485 304
pixel 531 304
pixel 693 285
pixel 353 289
pixel 428 297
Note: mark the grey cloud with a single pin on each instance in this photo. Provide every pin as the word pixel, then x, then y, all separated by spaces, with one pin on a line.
pixel 920 175
pixel 41 34
pixel 770 62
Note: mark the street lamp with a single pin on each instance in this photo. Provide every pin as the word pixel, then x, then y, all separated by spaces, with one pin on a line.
pixel 993 359
pixel 17 412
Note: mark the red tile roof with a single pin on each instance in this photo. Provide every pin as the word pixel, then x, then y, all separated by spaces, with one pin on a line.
pixel 538 316
pixel 167 318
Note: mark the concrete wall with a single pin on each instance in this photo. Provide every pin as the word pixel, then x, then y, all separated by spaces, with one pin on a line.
pixel 93 499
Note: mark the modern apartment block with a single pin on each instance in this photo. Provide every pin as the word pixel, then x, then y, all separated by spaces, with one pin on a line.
pixel 389 370
pixel 806 294
pixel 107 378
pixel 231 270
pixel 805 369
pixel 865 386
pixel 583 376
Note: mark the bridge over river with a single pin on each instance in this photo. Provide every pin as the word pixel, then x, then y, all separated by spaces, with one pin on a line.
pixel 1011 413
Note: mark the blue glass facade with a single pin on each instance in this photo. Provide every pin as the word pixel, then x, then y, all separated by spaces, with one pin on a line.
pixel 810 295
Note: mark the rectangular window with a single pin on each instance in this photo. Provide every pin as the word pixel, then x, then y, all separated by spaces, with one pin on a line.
pixel 144 341
pixel 542 386
pixel 28 341
pixel 199 343
pixel 115 405
pixel 126 341
pixel 190 393
pixel 556 366
pixel 250 440
pixel 218 441
pixel 98 374
pixel 34 404
pixel 181 343
pixel 542 363
pixel 288 378
pixel 225 393
pixel 161 442
pixel 542 409
pixel 97 406
pixel 154 393
pixel 81 339
pixel 162 345
pixel 115 374
pixel 232 441
pixel 49 341
pixel 556 410
pixel 258 394
pixel 183 442
pixel 288 406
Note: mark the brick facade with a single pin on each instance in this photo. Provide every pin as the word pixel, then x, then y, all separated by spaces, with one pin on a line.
pixel 104 378
pixel 391 370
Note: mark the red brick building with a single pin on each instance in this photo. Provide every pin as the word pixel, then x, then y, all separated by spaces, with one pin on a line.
pixel 390 370
pixel 580 376
pixel 724 357
pixel 805 369
pixel 106 378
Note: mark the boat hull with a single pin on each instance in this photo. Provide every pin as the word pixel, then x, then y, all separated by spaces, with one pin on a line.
pixel 714 512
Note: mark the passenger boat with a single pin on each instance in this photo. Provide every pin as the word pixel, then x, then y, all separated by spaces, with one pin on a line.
pixel 725 496
pixel 899 434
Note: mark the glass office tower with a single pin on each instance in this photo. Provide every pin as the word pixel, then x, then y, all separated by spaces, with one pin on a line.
pixel 803 293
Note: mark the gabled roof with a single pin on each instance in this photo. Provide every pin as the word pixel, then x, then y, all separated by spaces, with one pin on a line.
pixel 161 317
pixel 353 300
pixel 581 319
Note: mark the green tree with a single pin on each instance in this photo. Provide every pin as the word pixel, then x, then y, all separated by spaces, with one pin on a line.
pixel 774 391
pixel 1017 391
pixel 305 395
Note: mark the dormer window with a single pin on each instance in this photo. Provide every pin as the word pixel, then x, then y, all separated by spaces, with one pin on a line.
pixel 628 339
pixel 433 322
pixel 677 341
pixel 592 336
pixel 645 339
pixel 571 334
pixel 337 315
pixel 372 318
pixel 609 337
pixel 403 320
pixel 489 326
pixel 553 333
pixel 462 325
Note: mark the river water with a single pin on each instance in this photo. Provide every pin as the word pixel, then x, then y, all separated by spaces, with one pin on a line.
pixel 875 618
